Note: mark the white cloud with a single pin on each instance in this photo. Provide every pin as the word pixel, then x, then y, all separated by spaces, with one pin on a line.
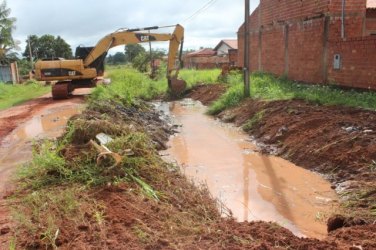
pixel 85 22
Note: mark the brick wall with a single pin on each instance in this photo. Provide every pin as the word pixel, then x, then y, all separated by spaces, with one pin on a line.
pixel 233 57
pixel 272 50
pixel 281 10
pixel 358 62
pixel 371 22
pixel 305 51
pixel 299 38
pixel 354 6
pixel 204 62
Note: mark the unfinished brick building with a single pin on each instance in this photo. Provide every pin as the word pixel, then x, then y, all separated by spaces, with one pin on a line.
pixel 316 41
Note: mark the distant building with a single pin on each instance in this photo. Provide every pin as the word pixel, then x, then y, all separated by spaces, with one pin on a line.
pixel 9 73
pixel 203 59
pixel 228 48
pixel 225 53
pixel 224 46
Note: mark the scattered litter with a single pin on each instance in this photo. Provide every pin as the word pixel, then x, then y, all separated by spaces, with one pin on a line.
pixel 103 138
pixel 104 151
pixel 350 129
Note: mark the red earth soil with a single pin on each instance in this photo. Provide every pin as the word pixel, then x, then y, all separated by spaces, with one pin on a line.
pixel 206 93
pixel 10 119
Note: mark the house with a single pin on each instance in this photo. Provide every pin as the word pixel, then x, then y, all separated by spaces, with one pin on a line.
pixel 225 45
pixel 317 41
pixel 203 59
pixel 228 48
pixel 225 53
pixel 9 73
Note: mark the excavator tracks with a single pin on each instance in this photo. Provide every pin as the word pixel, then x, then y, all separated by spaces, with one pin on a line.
pixel 61 90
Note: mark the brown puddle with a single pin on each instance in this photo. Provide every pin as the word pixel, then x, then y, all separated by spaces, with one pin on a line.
pixel 16 148
pixel 253 186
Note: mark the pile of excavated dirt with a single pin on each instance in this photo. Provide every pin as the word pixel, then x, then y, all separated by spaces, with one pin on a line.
pixel 121 215
pixel 338 142
pixel 206 93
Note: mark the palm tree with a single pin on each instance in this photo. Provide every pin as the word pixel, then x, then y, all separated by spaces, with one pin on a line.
pixel 7 43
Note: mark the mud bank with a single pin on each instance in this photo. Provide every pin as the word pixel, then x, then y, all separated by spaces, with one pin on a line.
pixel 166 212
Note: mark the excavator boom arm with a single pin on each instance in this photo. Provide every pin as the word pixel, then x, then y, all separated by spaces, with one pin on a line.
pixel 131 37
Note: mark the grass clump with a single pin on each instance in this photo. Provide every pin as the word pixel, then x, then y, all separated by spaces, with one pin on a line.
pixel 268 87
pixel 194 77
pixel 127 85
pixel 254 121
pixel 11 95
pixel 41 214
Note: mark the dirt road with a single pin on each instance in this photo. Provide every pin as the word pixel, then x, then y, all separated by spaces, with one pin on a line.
pixel 41 118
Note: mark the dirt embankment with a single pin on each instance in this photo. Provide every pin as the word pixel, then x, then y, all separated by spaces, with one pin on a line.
pixel 116 213
pixel 338 142
pixel 206 93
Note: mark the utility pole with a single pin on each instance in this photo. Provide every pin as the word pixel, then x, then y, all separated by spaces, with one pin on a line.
pixel 151 60
pixel 247 88
pixel 30 54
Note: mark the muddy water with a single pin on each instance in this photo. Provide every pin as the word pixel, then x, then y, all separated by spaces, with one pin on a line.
pixel 16 148
pixel 252 185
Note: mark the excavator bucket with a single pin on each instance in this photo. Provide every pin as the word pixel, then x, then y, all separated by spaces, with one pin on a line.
pixel 176 86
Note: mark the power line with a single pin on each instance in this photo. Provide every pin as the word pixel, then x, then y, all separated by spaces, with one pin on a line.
pixel 203 8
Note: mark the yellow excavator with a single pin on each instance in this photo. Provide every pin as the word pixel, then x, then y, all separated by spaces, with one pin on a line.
pixel 88 67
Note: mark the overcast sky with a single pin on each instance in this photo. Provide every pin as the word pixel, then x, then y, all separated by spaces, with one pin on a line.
pixel 84 22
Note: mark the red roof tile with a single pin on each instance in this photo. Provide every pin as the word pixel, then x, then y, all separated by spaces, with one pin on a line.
pixel 232 43
pixel 202 52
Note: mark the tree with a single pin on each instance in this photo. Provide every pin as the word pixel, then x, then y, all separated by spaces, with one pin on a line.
pixel 132 51
pixel 142 60
pixel 7 43
pixel 118 58
pixel 61 48
pixel 47 46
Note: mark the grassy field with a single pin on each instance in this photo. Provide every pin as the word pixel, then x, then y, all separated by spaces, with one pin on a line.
pixel 11 95
pixel 128 84
pixel 267 87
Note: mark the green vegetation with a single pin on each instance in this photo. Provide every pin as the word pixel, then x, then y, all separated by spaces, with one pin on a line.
pixel 194 77
pixel 251 123
pixel 267 87
pixel 11 95
pixel 8 44
pixel 129 84
pixel 47 46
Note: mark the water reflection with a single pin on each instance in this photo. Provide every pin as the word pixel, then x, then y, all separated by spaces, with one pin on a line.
pixel 253 186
